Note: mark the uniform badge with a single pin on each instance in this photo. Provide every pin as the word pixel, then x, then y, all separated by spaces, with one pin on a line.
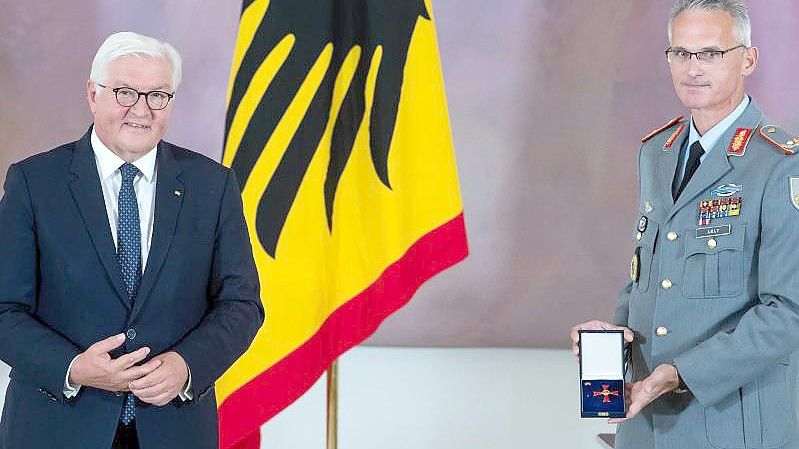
pixel 725 190
pixel 795 192
pixel 634 265
pixel 642 223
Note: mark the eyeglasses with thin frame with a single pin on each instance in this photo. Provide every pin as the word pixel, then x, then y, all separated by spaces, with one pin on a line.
pixel 679 56
pixel 127 97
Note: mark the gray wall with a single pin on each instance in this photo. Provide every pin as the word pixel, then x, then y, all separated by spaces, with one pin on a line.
pixel 548 100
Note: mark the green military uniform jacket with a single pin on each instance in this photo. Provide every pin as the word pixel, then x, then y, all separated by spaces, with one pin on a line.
pixel 715 290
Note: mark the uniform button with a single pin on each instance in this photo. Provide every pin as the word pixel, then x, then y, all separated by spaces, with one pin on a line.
pixel 671 236
pixel 711 243
pixel 638 236
pixel 118 394
pixel 661 331
pixel 131 334
pixel 666 284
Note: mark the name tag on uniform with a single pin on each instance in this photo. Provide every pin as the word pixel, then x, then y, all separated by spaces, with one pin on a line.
pixel 602 373
pixel 713 231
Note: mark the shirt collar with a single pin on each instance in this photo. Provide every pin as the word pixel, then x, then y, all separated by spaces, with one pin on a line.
pixel 108 162
pixel 712 136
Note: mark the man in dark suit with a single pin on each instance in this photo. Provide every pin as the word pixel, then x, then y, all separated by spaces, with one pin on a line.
pixel 127 282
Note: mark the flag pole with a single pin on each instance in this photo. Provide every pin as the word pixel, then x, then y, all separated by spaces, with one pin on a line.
pixel 332 406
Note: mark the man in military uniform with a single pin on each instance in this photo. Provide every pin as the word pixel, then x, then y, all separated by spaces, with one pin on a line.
pixel 712 307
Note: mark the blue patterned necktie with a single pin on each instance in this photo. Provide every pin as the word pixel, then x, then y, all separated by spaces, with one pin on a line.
pixel 129 254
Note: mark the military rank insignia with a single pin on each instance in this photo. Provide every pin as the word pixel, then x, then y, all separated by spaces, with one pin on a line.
pixel 719 208
pixel 673 137
pixel 795 192
pixel 739 142
pixel 780 138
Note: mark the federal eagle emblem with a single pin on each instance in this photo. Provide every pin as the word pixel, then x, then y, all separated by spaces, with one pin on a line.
pixel 382 32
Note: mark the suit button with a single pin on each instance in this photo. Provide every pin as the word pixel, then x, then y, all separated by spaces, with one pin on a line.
pixel 661 331
pixel 672 236
pixel 666 284
pixel 131 334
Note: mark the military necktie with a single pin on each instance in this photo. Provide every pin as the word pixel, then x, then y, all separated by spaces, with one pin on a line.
pixel 129 254
pixel 694 159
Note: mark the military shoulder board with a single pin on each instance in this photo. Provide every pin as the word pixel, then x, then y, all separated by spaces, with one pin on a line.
pixel 783 140
pixel 668 125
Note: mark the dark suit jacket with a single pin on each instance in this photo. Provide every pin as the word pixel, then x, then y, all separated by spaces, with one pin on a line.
pixel 61 290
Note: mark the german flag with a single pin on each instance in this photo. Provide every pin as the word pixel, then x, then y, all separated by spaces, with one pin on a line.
pixel 337 128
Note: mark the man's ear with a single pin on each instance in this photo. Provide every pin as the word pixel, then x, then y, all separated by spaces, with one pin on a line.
pixel 749 63
pixel 91 95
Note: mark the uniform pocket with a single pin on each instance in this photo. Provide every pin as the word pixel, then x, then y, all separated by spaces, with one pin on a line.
pixel 724 422
pixel 713 267
pixel 761 415
pixel 777 402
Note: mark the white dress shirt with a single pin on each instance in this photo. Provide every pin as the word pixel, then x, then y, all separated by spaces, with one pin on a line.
pixel 108 168
pixel 108 164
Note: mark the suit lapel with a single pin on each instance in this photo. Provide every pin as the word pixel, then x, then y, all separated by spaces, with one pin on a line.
pixel 167 208
pixel 717 163
pixel 88 196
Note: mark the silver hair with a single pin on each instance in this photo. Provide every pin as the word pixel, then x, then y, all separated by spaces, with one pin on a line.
pixel 128 43
pixel 736 8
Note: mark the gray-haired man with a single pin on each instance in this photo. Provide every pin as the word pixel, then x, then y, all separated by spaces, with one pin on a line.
pixel 712 308
pixel 127 282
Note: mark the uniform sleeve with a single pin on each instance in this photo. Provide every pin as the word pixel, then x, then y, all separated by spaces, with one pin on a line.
pixel 33 349
pixel 623 307
pixel 236 310
pixel 767 332
pixel 623 303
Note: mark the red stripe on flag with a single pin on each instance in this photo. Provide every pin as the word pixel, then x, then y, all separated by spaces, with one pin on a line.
pixel 245 410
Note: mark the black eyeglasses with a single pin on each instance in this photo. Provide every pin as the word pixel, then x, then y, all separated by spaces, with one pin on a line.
pixel 705 56
pixel 127 97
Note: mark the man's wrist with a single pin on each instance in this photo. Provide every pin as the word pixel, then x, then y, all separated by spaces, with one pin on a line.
pixel 71 388
pixel 681 387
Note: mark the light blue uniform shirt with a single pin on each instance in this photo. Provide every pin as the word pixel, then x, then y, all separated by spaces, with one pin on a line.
pixel 712 136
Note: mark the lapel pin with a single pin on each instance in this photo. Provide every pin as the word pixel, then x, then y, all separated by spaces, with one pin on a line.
pixel 178 193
